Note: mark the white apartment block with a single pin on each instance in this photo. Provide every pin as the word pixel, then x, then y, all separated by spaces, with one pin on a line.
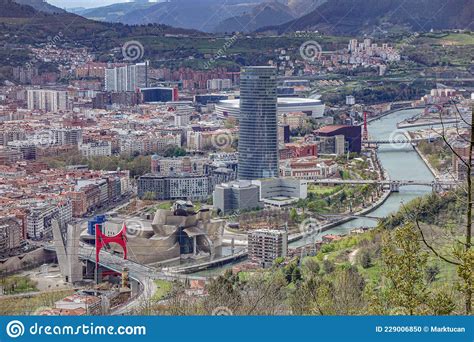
pixel 169 166
pixel 40 216
pixel 47 100
pixel 96 149
pixel 148 144
pixel 182 119
pixel 126 78
pixel 219 84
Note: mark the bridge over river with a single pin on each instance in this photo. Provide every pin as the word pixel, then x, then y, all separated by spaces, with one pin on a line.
pixel 392 185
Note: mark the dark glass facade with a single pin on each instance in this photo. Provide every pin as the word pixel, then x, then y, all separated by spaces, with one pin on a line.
pixel 258 137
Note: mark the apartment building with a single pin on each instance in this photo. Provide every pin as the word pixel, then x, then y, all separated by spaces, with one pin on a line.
pixel 41 214
pixel 127 78
pixel 96 149
pixel 168 166
pixel 265 245
pixel 47 100
pixel 12 233
pixel 219 84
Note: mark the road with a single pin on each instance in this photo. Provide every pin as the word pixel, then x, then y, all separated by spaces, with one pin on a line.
pixel 143 274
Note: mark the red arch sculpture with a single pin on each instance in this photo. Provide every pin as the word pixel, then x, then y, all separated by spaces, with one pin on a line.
pixel 102 240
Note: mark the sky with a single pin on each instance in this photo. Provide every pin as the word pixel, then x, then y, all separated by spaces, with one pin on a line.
pixel 83 3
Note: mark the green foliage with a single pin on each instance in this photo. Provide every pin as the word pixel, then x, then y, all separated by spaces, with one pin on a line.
pixel 442 302
pixel 366 259
pixel 426 209
pixel 17 284
pixel 348 291
pixel 328 248
pixel 387 92
pixel 163 289
pixel 404 269
pixel 290 272
pixel 223 292
pixel 432 272
pixel 466 271
pixel 296 275
pixel 174 151
pixel 278 261
pixel 328 266
pixel 138 166
pixel 293 215
pixel 28 305
pixel 311 266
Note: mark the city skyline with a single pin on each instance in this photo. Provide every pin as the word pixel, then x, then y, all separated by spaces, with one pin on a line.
pixel 215 165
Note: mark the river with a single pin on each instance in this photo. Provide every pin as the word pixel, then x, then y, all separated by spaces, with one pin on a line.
pixel 401 163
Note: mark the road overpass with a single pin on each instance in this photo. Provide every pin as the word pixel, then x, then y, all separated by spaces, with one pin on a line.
pixel 144 275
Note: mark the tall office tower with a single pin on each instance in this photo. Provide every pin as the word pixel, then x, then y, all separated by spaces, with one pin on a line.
pixel 258 137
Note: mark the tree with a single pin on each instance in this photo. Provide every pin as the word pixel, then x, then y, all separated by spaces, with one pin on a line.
pixel 296 275
pixel 311 266
pixel 264 293
pixel 301 204
pixel 463 256
pixel 431 273
pixel 366 259
pixel 404 269
pixel 313 296
pixel 348 291
pixel 441 302
pixel 328 266
pixel 174 151
pixel 223 292
pixel 293 215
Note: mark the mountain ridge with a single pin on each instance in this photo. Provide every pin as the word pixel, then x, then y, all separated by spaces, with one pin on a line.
pixel 41 5
pixel 260 16
pixel 364 16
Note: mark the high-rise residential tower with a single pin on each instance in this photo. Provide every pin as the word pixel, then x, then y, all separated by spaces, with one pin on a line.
pixel 127 78
pixel 258 137
pixel 47 100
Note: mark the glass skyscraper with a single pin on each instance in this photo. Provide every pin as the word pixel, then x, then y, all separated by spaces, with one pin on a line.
pixel 258 136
